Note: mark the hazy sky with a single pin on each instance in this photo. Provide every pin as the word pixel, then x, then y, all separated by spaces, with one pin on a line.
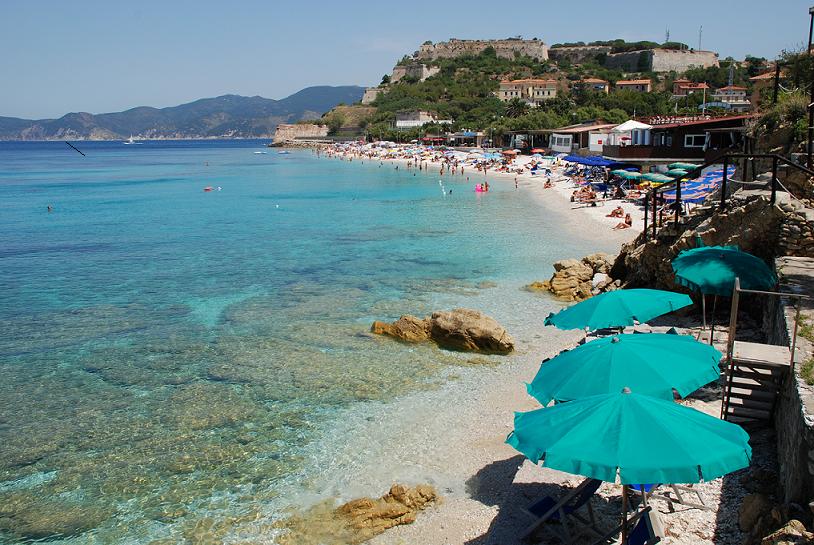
pixel 102 55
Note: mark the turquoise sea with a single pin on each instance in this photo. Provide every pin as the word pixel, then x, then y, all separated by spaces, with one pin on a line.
pixel 168 356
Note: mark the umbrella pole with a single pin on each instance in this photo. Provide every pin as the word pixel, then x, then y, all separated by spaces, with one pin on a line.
pixel 712 320
pixel 704 312
pixel 624 514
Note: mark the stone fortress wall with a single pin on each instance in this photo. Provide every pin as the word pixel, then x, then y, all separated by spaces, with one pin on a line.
pixel 291 132
pixel 661 60
pixel 578 54
pixel 416 70
pixel 535 49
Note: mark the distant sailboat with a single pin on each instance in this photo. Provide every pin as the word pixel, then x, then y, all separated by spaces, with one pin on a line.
pixel 131 141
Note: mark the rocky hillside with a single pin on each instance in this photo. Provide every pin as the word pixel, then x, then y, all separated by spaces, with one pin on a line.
pixel 228 116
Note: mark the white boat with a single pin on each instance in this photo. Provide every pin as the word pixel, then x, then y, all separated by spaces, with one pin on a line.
pixel 283 152
pixel 259 152
pixel 131 141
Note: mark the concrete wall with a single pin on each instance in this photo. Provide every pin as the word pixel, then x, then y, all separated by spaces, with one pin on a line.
pixel 290 133
pixel 535 49
pixel 794 412
pixel 578 54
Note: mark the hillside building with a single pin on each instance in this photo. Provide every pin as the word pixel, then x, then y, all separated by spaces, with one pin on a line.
pixel 734 96
pixel 592 84
pixel 531 91
pixel 638 85
pixel 417 118
pixel 685 87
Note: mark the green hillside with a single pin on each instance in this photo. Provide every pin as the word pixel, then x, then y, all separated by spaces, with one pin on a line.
pixel 464 91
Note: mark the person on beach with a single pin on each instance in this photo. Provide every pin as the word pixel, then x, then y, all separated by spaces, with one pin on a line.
pixel 625 224
pixel 617 212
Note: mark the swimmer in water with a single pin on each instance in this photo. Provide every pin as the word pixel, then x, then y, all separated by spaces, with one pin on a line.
pixel 50 208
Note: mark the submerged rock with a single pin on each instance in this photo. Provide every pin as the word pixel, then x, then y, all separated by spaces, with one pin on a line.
pixel 458 329
pixel 358 520
pixel 408 328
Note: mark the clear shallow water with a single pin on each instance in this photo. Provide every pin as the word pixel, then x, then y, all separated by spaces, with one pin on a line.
pixel 169 356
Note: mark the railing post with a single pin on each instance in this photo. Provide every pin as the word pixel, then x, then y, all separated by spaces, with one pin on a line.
pixel 646 206
pixel 776 82
pixel 678 199
pixel 655 214
pixel 774 178
pixel 723 183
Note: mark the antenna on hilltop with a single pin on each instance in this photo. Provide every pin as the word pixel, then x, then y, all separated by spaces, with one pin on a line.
pixel 700 32
pixel 731 80
pixel 667 35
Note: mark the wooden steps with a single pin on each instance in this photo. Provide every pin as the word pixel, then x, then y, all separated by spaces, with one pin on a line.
pixel 752 381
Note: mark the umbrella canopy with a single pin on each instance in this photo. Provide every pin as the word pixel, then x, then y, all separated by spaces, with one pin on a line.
pixel 712 270
pixel 651 364
pixel 631 125
pixel 656 178
pixel 618 308
pixel 677 172
pixel 684 166
pixel 538 150
pixel 633 437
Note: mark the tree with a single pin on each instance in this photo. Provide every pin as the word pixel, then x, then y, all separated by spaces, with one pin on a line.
pixel 516 108
pixel 385 79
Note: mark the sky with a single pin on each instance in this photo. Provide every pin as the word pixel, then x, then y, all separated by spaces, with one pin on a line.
pixel 101 55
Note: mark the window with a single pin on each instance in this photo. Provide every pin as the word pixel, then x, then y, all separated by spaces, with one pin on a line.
pixel 694 140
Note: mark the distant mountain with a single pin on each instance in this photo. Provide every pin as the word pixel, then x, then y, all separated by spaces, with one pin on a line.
pixel 227 116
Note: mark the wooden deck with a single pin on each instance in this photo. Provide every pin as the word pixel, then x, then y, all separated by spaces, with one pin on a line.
pixel 753 379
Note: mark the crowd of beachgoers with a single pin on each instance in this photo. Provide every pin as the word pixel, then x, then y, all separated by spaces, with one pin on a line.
pixel 612 201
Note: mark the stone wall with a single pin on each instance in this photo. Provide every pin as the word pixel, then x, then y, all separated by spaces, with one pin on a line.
pixel 418 71
pixel 290 133
pixel 578 54
pixel 630 61
pixel 794 412
pixel 661 60
pixel 536 49
pixel 370 94
pixel 666 60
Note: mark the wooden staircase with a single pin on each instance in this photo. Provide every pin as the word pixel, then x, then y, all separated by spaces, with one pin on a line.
pixel 755 372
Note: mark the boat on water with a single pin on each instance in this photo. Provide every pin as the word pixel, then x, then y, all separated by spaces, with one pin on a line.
pixel 259 152
pixel 284 152
pixel 131 141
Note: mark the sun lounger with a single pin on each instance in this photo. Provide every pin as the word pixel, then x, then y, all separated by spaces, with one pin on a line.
pixel 681 494
pixel 643 528
pixel 565 511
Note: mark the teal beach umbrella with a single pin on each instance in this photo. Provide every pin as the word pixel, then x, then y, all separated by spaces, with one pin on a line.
pixel 712 270
pixel 618 308
pixel 631 439
pixel 651 364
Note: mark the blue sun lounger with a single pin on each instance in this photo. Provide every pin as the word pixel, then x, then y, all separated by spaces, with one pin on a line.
pixel 566 509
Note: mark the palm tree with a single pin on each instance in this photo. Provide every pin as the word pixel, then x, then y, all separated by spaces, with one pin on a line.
pixel 516 108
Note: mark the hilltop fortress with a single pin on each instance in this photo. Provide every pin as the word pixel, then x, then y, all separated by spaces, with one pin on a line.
pixel 508 48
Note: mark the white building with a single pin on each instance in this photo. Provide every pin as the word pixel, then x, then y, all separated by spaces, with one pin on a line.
pixel 418 118
pixel 733 95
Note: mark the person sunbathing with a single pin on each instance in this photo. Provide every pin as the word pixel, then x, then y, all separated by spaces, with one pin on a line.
pixel 617 212
pixel 625 224
pixel 548 184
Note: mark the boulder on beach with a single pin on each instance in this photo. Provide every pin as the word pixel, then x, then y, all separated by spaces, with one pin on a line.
pixel 470 330
pixel 575 280
pixel 458 329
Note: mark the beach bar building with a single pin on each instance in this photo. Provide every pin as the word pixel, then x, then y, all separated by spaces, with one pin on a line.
pixel 588 137
pixel 670 139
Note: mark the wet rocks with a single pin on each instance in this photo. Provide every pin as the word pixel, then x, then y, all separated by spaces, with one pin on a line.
pixel 408 328
pixel 359 519
pixel 459 329
pixel 369 517
pixel 752 509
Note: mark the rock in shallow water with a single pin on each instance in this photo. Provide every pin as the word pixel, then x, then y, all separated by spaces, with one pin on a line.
pixel 459 329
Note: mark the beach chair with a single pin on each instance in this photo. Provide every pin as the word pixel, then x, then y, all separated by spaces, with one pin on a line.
pixel 681 494
pixel 643 528
pixel 565 511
